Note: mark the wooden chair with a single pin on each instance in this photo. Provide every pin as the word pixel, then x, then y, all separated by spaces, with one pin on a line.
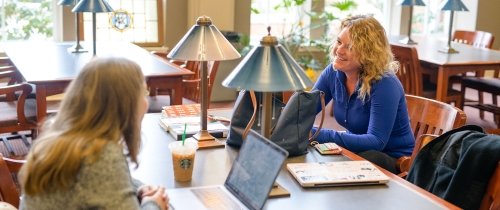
pixel 17 113
pixel 483 85
pixel 479 39
pixel 410 75
pixel 9 186
pixel 191 85
pixel 409 69
pixel 428 116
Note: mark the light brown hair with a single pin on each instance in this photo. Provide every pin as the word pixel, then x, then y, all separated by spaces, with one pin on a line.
pixel 101 105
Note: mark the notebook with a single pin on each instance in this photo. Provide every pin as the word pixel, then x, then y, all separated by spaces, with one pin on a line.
pixel 340 173
pixel 246 187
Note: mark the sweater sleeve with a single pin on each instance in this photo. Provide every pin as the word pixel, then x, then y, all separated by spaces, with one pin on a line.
pixel 384 98
pixel 109 184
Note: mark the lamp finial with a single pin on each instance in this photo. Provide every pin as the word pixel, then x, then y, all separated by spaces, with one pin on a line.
pixel 269 40
pixel 204 21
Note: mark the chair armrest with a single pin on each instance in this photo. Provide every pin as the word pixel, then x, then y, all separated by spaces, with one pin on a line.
pixel 403 165
pixel 26 90
pixel 12 73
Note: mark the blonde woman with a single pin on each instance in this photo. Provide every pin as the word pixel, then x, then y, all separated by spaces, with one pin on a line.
pixel 80 159
pixel 368 99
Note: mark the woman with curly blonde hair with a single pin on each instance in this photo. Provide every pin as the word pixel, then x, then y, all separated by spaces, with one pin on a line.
pixel 368 99
pixel 80 159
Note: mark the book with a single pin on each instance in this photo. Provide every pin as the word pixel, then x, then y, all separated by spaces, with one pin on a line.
pixel 190 110
pixel 339 173
pixel 183 110
pixel 175 127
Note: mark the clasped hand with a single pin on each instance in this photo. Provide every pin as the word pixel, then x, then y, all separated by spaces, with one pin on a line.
pixel 154 193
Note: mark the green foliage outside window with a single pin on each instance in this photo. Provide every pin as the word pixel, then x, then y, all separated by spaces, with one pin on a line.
pixel 297 41
pixel 26 19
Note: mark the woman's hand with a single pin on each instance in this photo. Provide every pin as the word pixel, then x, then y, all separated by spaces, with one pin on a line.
pixel 155 194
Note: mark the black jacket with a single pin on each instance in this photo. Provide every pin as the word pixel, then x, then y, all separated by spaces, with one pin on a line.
pixel 457 165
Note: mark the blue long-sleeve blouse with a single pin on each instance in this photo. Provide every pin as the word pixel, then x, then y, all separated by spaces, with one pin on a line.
pixel 381 123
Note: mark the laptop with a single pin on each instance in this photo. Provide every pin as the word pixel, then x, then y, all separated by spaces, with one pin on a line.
pixel 340 173
pixel 246 187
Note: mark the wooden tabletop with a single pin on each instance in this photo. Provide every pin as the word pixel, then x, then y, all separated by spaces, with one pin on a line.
pixel 51 67
pixel 428 52
pixel 212 166
pixel 45 62
pixel 442 65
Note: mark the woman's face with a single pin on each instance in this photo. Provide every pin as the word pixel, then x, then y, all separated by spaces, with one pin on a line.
pixel 345 59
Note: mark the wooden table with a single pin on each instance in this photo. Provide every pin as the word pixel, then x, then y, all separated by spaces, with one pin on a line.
pixel 212 166
pixel 51 67
pixel 469 59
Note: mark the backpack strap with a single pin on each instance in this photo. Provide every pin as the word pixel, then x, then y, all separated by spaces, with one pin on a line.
pixel 252 120
pixel 322 98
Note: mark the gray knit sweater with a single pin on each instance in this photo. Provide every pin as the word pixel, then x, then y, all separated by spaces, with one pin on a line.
pixel 104 184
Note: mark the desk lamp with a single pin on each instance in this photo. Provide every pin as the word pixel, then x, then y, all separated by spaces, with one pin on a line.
pixel 410 3
pixel 204 42
pixel 452 6
pixel 77 48
pixel 93 6
pixel 268 68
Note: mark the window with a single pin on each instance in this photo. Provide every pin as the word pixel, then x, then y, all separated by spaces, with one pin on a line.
pixel 140 22
pixel 26 20
pixel 306 27
pixel 430 20
pixel 286 16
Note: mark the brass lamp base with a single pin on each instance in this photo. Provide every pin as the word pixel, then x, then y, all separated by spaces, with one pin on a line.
pixel 203 135
pixel 407 40
pixel 448 50
pixel 206 140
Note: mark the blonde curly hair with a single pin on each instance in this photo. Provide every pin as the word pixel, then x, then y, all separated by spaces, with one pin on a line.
pixel 369 41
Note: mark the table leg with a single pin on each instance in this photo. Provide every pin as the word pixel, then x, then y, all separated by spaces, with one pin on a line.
pixel 176 95
pixel 41 102
pixel 442 84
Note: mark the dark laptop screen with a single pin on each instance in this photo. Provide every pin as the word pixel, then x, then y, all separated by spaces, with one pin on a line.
pixel 255 170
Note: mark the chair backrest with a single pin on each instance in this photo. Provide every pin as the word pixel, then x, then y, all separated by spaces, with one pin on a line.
pixel 428 116
pixel 9 191
pixel 479 39
pixel 409 72
pixel 491 199
pixel 192 84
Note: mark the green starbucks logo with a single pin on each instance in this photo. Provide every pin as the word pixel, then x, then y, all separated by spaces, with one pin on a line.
pixel 185 163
